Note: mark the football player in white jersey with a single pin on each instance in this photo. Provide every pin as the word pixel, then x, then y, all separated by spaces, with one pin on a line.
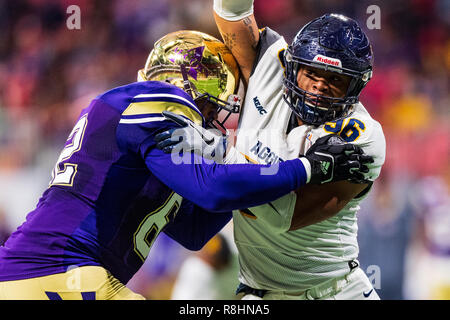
pixel 303 245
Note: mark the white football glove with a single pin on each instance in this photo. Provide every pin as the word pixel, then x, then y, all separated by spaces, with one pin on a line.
pixel 190 137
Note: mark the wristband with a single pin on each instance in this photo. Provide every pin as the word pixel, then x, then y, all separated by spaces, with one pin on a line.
pixel 307 166
pixel 233 10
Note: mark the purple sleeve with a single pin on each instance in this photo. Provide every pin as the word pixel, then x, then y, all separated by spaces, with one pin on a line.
pixel 193 226
pixel 221 188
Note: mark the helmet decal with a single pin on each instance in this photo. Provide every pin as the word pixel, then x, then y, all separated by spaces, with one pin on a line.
pixel 194 58
pixel 328 60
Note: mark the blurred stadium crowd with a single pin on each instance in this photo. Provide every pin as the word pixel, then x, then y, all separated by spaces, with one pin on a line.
pixel 48 73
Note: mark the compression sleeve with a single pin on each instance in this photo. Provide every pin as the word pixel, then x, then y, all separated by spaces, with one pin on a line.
pixel 193 226
pixel 218 187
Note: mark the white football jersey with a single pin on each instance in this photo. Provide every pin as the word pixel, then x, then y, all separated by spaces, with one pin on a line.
pixel 270 256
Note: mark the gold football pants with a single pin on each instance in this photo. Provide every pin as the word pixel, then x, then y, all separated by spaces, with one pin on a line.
pixel 80 283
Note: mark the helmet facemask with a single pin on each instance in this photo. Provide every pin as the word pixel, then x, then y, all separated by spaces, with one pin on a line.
pixel 221 110
pixel 215 110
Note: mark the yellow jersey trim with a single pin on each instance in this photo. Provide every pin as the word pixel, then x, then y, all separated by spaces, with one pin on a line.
pixel 152 107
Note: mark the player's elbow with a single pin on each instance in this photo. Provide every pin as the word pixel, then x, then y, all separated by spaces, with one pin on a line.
pixel 216 202
pixel 192 239
pixel 194 246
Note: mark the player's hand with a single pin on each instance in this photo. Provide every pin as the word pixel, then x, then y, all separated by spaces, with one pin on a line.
pixel 332 159
pixel 190 137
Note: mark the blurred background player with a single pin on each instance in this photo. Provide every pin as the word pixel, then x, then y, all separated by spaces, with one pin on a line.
pixel 112 191
pixel 209 273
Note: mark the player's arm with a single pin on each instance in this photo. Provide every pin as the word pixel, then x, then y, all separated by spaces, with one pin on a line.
pixel 194 226
pixel 316 203
pixel 220 188
pixel 214 187
pixel 320 202
pixel 245 185
pixel 237 25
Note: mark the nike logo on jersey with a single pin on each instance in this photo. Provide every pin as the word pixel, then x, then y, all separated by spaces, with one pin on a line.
pixel 207 141
pixel 258 106
pixel 367 294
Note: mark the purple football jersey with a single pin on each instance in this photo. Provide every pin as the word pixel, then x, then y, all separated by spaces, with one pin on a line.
pixel 103 203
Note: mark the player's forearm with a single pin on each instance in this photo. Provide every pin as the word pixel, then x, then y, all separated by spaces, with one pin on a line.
pixel 316 203
pixel 237 25
pixel 248 185
pixel 316 214
pixel 227 187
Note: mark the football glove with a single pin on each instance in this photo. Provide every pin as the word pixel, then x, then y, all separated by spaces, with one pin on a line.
pixel 332 159
pixel 190 137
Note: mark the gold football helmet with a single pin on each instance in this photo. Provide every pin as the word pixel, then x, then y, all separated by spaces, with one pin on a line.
pixel 202 66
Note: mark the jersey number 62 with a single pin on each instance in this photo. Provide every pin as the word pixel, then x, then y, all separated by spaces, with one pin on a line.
pixel 63 176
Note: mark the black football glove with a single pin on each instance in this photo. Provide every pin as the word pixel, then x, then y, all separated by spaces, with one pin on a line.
pixel 332 159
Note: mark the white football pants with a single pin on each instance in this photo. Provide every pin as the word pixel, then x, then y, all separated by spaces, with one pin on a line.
pixel 353 286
